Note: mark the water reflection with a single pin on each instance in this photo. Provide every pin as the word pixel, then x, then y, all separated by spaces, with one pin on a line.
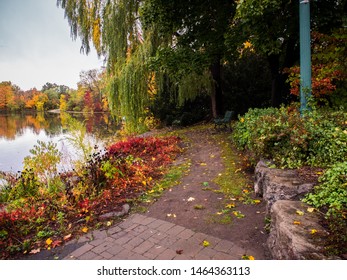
pixel 20 132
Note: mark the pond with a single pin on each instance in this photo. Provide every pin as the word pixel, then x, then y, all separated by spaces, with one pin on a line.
pixel 19 133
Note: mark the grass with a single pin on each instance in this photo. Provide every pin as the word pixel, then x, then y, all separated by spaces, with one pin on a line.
pixel 233 179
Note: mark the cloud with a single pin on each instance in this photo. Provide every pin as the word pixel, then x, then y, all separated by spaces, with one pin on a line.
pixel 36 46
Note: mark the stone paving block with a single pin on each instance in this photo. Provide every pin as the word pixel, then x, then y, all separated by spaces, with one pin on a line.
pixel 82 250
pixel 126 224
pixel 167 241
pixel 155 238
pixel 224 246
pixel 223 256
pixel 143 247
pixel 206 254
pixel 147 234
pixel 185 234
pixel 114 249
pixel 139 229
pixel 88 256
pixel 102 247
pixel 156 223
pixel 200 237
pixel 176 230
pixel 182 257
pixel 156 250
pixel 123 255
pixel 105 255
pixel 99 234
pixel 188 247
pixel 146 221
pixel 137 218
pixel 124 239
pixel 113 230
pixel 119 234
pixel 168 254
pixel 165 227
pixel 137 257
pixel 237 250
pixel 96 242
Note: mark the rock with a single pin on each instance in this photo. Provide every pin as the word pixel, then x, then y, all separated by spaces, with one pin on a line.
pixel 291 236
pixel 279 184
pixel 110 215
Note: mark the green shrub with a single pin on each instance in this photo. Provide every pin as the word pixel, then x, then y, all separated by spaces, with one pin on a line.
pixel 331 197
pixel 290 140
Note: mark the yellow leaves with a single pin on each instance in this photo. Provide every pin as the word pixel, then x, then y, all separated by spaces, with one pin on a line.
pixel 238 214
pixel 256 201
pixel 310 209
pixel 205 243
pixel 144 183
pixel 230 205
pixel 109 223
pixel 242 120
pixel 246 257
pixel 313 231
pixel 171 215
pixel 84 229
pixel 49 241
pixel 203 164
pixel 300 213
pixel 297 223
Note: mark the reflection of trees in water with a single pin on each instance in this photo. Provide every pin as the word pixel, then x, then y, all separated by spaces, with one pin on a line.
pixel 15 125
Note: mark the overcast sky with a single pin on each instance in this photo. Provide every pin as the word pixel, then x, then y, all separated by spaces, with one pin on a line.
pixel 36 46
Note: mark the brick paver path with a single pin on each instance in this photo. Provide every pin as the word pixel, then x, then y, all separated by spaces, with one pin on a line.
pixel 140 238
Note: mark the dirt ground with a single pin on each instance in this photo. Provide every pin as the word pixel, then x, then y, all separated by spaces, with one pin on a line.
pixel 193 205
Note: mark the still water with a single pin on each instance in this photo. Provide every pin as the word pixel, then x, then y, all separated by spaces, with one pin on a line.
pixel 20 132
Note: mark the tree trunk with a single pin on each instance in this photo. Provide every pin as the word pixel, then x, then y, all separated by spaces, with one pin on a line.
pixel 276 90
pixel 217 93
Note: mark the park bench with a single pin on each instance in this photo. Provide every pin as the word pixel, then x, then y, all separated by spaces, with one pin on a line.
pixel 224 121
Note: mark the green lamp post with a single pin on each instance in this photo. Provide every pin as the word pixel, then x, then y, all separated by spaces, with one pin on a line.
pixel 305 54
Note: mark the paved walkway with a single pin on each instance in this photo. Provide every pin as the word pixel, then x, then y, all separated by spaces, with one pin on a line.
pixel 140 238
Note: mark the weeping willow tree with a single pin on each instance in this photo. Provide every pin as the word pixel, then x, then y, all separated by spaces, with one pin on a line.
pixel 114 28
pixel 123 32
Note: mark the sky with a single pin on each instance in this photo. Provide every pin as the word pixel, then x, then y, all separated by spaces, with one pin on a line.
pixel 36 46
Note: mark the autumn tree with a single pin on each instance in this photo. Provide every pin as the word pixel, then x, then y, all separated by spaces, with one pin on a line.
pixel 272 26
pixel 6 96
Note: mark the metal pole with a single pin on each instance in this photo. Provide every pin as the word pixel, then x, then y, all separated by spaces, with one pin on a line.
pixel 305 54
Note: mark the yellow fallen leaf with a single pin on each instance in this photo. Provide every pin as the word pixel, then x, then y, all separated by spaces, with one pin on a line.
pixel 85 229
pixel 230 205
pixel 203 164
pixel 256 201
pixel 238 170
pixel 144 183
pixel 310 209
pixel 313 231
pixel 205 243
pixel 49 241
pixel 109 223
pixel 219 213
pixel 296 222
pixel 300 213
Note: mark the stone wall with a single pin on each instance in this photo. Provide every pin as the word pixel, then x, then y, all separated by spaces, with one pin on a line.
pixel 295 230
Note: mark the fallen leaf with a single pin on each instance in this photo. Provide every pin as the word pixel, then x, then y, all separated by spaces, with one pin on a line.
pixel 67 237
pixel 191 199
pixel 203 164
pixel 109 223
pixel 49 241
pixel 296 222
pixel 246 257
pixel 313 231
pixel 300 213
pixel 179 252
pixel 219 213
pixel 310 209
pixel 230 205
pixel 256 201
pixel 35 251
pixel 205 243
pixel 85 229
pixel 56 243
